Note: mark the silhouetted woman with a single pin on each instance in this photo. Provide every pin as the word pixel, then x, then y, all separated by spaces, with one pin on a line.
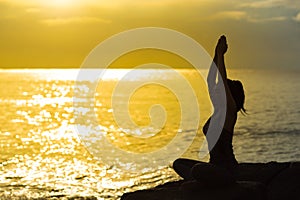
pixel 222 167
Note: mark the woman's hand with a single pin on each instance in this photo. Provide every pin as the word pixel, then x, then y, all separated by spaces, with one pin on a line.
pixel 222 46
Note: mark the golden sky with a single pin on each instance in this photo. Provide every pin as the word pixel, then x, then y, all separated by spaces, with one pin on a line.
pixel 61 33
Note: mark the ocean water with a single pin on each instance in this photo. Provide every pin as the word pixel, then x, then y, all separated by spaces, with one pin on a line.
pixel 42 150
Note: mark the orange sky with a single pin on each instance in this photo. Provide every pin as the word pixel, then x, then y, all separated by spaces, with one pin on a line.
pixel 61 33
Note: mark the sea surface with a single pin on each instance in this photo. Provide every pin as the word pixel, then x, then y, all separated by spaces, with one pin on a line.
pixel 43 149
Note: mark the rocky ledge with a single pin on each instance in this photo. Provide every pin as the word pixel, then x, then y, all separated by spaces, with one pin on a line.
pixel 259 181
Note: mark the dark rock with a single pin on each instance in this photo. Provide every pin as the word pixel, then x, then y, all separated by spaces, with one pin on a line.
pixel 286 185
pixel 259 181
pixel 260 172
pixel 166 191
pixel 154 194
pixel 241 190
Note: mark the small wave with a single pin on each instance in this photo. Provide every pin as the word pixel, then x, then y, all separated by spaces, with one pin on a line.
pixel 279 132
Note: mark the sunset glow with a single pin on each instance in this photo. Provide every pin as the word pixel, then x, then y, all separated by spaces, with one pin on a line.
pixel 61 33
pixel 60 2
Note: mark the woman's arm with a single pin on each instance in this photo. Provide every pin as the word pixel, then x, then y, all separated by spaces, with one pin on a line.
pixel 218 64
pixel 221 49
pixel 212 74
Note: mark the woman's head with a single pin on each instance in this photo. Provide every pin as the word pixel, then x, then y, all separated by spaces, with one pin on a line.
pixel 237 92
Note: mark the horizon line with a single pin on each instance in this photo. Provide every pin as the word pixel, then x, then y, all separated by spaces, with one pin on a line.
pixel 125 67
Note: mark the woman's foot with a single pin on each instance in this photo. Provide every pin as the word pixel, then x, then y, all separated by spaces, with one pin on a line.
pixel 212 175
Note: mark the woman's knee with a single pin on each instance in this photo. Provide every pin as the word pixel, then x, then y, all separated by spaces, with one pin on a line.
pixel 177 163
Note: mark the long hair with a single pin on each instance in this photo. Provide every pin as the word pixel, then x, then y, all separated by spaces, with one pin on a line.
pixel 238 94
